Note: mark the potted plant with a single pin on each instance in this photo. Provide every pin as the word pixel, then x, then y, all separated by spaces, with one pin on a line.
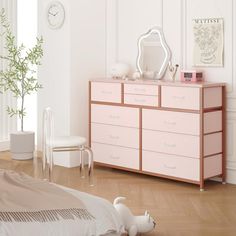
pixel 19 77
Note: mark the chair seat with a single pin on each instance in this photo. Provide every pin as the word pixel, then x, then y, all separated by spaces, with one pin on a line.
pixel 68 141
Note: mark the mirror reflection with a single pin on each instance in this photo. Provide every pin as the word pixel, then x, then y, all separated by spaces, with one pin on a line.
pixel 153 54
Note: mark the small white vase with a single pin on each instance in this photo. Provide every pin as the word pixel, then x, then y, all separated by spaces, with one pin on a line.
pixel 22 145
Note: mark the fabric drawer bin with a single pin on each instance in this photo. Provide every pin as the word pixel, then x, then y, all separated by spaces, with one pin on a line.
pixel 106 92
pixel 115 135
pixel 180 97
pixel 117 156
pixel 170 143
pixel 176 122
pixel 115 115
pixel 141 100
pixel 175 166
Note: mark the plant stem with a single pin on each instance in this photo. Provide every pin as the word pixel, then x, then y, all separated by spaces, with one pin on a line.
pixel 22 101
pixel 22 115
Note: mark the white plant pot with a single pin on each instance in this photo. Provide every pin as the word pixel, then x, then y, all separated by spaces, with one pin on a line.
pixel 22 145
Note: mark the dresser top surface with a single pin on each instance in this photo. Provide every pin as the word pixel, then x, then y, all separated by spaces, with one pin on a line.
pixel 159 82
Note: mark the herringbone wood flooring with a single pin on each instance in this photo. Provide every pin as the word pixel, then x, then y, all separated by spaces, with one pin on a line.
pixel 179 208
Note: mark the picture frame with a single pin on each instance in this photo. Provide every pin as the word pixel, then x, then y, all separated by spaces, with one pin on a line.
pixel 208 42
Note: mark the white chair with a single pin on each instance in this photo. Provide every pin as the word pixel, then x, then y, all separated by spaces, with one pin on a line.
pixel 53 144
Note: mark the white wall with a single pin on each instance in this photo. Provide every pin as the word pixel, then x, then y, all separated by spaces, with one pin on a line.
pixel 72 55
pixel 87 60
pixel 54 74
pixel 127 19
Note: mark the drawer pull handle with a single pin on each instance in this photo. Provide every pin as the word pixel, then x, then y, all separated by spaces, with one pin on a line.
pixel 140 100
pixel 170 167
pixel 140 90
pixel 169 122
pixel 106 92
pixel 114 117
pixel 179 97
pixel 114 137
pixel 170 145
pixel 114 157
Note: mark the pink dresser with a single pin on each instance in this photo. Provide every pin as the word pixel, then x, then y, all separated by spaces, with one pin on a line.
pixel 173 130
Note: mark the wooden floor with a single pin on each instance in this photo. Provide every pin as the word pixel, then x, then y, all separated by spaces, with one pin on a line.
pixel 179 209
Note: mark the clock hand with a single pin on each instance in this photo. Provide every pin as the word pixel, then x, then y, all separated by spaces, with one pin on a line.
pixel 55 14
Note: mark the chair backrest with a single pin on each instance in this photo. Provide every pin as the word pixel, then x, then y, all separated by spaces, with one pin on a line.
pixel 48 127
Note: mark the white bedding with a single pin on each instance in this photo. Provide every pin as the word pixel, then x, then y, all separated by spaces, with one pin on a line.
pixel 107 221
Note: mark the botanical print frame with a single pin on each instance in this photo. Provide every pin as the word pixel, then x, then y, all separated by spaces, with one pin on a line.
pixel 208 42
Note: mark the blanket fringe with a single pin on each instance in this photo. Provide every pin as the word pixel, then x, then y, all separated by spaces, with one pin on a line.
pixel 46 215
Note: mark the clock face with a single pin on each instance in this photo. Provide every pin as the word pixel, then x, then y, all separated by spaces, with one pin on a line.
pixel 55 15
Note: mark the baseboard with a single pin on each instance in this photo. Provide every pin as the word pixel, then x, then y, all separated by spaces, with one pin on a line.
pixel 231 175
pixel 4 146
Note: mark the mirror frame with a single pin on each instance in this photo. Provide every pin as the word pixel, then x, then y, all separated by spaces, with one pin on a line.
pixel 165 47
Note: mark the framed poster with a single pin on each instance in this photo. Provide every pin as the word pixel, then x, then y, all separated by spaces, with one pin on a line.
pixel 208 42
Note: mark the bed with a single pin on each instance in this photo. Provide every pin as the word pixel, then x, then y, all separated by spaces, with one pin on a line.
pixel 104 219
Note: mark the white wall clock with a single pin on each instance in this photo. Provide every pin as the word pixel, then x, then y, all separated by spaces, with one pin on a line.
pixel 55 15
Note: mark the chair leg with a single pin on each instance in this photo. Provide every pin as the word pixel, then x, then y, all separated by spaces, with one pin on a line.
pixel 35 165
pixel 81 164
pixel 90 164
pixel 51 163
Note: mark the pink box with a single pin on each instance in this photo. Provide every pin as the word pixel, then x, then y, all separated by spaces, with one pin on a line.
pixel 191 76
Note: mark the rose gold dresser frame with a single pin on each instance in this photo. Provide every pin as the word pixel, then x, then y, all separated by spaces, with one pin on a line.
pixel 201 111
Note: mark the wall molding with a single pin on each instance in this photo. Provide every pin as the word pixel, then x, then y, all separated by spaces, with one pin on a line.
pixel 184 36
pixel 231 115
pixel 231 175
pixel 232 93
pixel 117 30
pixel 111 34
pixel 185 10
pixel 112 31
pixel 231 168
pixel 162 14
pixel 4 146
pixel 7 124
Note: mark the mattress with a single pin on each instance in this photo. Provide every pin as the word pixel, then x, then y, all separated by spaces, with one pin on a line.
pixel 106 222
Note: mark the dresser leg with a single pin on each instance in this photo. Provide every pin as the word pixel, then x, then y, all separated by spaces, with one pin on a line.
pixel 202 186
pixel 223 179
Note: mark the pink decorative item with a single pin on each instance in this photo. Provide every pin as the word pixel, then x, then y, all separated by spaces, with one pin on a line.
pixel 191 76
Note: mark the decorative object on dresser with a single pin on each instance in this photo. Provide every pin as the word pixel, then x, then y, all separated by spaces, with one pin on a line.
pixel 136 75
pixel 172 70
pixel 120 71
pixel 153 54
pixel 191 76
pixel 173 130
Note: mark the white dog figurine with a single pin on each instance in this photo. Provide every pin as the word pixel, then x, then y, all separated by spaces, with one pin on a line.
pixel 133 224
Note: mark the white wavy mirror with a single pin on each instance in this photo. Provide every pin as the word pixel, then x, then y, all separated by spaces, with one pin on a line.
pixel 153 54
